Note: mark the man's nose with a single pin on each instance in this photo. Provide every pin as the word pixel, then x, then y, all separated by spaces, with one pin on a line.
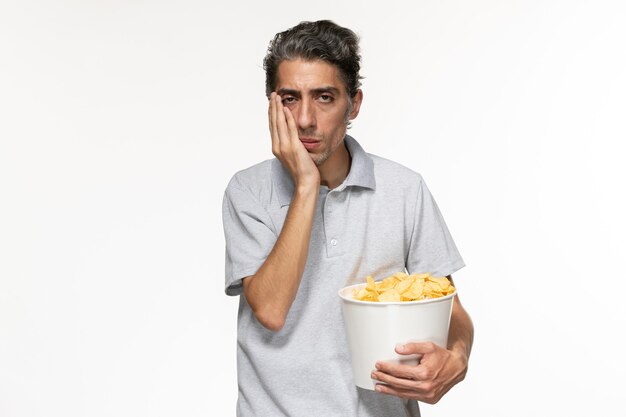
pixel 306 115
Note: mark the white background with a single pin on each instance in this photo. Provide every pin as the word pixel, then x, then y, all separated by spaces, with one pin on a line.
pixel 122 121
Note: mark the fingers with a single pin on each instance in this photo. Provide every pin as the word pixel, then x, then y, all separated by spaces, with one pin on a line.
pixel 269 112
pixel 428 382
pixel 417 348
pixel 272 122
pixel 291 123
pixel 286 145
pixel 405 383
pixel 281 123
pixel 401 371
pixel 412 382
pixel 397 392
pixel 426 397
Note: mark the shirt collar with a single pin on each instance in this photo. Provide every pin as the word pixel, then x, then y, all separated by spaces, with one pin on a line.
pixel 361 173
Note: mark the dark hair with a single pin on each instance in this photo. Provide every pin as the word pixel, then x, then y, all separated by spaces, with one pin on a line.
pixel 310 41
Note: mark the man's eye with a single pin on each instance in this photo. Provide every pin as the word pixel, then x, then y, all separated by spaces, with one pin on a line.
pixel 288 100
pixel 326 98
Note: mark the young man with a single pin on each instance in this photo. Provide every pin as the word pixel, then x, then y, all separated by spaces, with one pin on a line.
pixel 322 215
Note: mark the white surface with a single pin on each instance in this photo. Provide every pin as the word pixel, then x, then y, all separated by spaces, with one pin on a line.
pixel 121 123
pixel 374 329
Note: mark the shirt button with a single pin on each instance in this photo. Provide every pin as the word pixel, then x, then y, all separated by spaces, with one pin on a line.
pixel 333 242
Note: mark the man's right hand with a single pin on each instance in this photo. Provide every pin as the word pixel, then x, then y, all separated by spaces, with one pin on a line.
pixel 286 145
pixel 272 289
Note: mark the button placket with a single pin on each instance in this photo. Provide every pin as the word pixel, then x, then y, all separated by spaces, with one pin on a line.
pixel 333 225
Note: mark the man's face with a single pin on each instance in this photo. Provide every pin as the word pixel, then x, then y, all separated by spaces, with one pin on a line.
pixel 317 98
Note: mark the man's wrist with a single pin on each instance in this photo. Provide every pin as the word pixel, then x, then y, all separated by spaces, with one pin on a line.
pixel 307 187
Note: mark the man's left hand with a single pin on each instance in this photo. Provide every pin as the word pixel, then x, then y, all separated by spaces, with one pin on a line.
pixel 438 370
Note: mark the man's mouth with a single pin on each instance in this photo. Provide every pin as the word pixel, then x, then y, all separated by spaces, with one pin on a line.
pixel 310 143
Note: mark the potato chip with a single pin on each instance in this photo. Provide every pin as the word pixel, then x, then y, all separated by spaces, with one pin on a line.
pixel 416 291
pixel 404 287
pixel 405 284
pixel 388 282
pixel 390 295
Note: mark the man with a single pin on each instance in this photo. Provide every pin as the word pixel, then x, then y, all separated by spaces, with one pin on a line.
pixel 322 215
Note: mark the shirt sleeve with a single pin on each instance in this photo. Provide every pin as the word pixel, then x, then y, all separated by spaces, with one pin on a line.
pixel 249 236
pixel 431 248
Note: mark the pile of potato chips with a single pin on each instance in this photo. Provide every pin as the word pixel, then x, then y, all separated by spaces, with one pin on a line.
pixel 404 287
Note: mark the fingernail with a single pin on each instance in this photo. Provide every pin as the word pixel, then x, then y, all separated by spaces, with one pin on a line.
pixel 373 375
pixel 400 347
pixel 378 388
pixel 378 365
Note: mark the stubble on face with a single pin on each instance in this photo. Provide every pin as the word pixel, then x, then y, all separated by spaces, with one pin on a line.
pixel 332 145
pixel 319 159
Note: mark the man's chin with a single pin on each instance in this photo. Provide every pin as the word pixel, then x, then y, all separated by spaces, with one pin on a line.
pixel 319 160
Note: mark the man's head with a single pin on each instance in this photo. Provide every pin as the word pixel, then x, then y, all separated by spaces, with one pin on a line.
pixel 314 68
pixel 311 41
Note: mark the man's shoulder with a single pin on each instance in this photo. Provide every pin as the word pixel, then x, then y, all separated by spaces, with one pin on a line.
pixel 253 177
pixel 387 170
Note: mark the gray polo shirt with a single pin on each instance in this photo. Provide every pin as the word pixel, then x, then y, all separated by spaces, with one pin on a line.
pixel 381 220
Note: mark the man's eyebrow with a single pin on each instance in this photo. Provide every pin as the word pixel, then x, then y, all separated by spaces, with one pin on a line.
pixel 315 91
pixel 288 91
pixel 329 89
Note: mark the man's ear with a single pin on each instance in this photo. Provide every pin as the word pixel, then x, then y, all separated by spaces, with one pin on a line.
pixel 356 104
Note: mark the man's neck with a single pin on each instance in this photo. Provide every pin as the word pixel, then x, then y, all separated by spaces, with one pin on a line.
pixel 335 170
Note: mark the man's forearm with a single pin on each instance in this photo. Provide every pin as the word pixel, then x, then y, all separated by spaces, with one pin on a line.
pixel 461 333
pixel 271 291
